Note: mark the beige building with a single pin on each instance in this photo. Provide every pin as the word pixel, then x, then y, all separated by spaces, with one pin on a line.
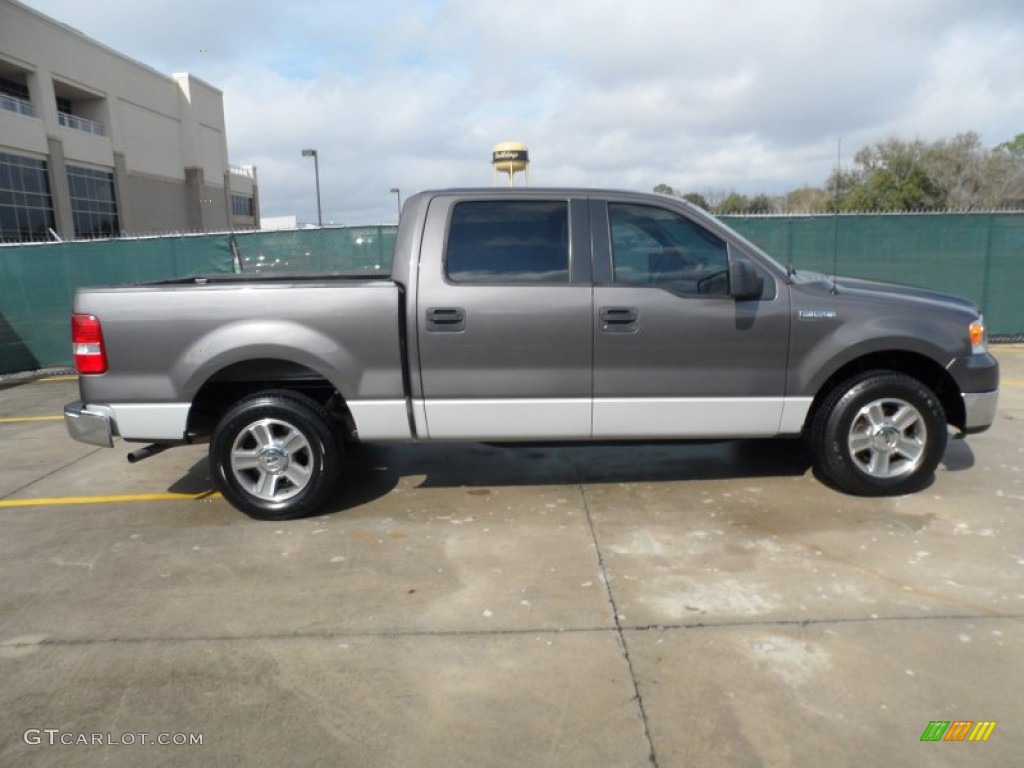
pixel 93 143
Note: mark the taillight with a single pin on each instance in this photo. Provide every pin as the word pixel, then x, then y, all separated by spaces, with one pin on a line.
pixel 87 344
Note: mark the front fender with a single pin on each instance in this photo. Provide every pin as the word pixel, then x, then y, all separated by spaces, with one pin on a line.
pixel 819 352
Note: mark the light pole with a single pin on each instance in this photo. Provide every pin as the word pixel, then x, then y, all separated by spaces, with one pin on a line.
pixel 397 191
pixel 316 168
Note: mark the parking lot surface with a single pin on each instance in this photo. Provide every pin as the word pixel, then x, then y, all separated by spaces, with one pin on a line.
pixel 472 605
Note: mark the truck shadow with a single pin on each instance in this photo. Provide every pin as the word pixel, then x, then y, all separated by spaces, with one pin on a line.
pixel 371 472
pixel 958 456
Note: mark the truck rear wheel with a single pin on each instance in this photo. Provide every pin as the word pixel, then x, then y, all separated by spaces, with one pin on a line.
pixel 274 455
pixel 879 434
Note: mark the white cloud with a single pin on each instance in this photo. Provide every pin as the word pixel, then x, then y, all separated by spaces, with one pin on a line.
pixel 703 94
pixel 973 83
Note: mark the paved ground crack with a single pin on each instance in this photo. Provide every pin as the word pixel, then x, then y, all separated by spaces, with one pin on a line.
pixel 51 473
pixel 398 634
pixel 652 755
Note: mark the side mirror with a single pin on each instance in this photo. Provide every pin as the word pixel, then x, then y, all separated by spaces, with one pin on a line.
pixel 744 282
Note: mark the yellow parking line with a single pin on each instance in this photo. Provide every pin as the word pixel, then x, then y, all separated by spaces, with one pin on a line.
pixel 69 377
pixel 109 499
pixel 1011 383
pixel 16 419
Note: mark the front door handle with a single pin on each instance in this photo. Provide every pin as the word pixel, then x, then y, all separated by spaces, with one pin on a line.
pixel 619 319
pixel 446 319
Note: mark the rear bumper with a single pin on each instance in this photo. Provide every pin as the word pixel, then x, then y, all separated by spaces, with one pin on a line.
pixel 92 424
pixel 137 422
pixel 979 410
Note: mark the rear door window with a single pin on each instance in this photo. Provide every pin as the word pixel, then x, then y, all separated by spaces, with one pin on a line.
pixel 509 241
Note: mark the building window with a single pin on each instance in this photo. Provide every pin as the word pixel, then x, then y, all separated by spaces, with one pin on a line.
pixel 241 205
pixel 93 204
pixel 15 89
pixel 26 208
pixel 14 98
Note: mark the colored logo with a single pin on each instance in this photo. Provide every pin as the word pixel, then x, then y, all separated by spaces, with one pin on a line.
pixel 958 730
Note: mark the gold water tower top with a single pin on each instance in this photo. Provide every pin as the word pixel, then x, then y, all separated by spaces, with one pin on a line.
pixel 510 157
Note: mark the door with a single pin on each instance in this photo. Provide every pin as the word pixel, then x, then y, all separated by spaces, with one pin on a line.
pixel 674 354
pixel 504 323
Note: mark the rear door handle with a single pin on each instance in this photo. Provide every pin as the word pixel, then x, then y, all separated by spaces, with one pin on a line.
pixel 619 319
pixel 446 319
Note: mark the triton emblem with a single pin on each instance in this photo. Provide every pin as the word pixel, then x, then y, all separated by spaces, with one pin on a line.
pixel 816 314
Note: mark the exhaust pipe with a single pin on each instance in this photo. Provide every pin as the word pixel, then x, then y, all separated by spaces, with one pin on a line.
pixel 145 453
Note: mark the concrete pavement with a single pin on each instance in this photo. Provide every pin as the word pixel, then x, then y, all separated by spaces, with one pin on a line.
pixel 486 606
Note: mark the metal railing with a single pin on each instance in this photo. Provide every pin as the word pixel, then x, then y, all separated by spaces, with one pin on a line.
pixel 14 104
pixel 81 124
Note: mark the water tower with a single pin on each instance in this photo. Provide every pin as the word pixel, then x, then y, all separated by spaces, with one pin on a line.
pixel 510 157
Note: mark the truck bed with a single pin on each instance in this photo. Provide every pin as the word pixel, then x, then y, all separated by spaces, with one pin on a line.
pixel 175 341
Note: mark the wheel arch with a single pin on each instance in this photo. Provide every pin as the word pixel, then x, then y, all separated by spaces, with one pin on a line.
pixel 916 365
pixel 244 378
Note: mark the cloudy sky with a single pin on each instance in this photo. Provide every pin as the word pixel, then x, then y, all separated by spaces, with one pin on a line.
pixel 744 95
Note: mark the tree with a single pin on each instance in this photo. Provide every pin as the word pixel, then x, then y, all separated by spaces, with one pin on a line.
pixel 889 176
pixel 761 203
pixel 1014 146
pixel 897 175
pixel 808 200
pixel 733 204
pixel 1009 172
pixel 697 199
pixel 962 168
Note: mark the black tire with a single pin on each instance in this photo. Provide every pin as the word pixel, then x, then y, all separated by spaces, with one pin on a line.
pixel 879 434
pixel 275 456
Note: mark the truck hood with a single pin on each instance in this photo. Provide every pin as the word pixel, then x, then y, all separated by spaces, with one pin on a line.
pixel 882 290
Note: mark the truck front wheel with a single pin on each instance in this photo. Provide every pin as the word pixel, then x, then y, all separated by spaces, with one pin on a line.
pixel 879 434
pixel 274 455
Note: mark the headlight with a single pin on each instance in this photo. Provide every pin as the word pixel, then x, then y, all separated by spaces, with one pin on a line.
pixel 979 337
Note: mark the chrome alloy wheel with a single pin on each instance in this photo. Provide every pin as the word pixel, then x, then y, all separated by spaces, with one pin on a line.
pixel 887 438
pixel 271 459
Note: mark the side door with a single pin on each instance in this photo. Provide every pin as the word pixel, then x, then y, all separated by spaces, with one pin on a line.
pixel 504 321
pixel 675 355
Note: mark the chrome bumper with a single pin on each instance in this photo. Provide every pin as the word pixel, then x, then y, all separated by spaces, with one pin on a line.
pixel 980 410
pixel 92 424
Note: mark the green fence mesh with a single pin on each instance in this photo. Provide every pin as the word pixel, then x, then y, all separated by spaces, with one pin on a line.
pixel 348 249
pixel 980 256
pixel 1003 295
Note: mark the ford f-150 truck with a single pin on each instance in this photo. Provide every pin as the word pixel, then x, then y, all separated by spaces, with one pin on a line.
pixel 532 315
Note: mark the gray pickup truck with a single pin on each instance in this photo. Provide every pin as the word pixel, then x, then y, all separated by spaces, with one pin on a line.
pixel 532 315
